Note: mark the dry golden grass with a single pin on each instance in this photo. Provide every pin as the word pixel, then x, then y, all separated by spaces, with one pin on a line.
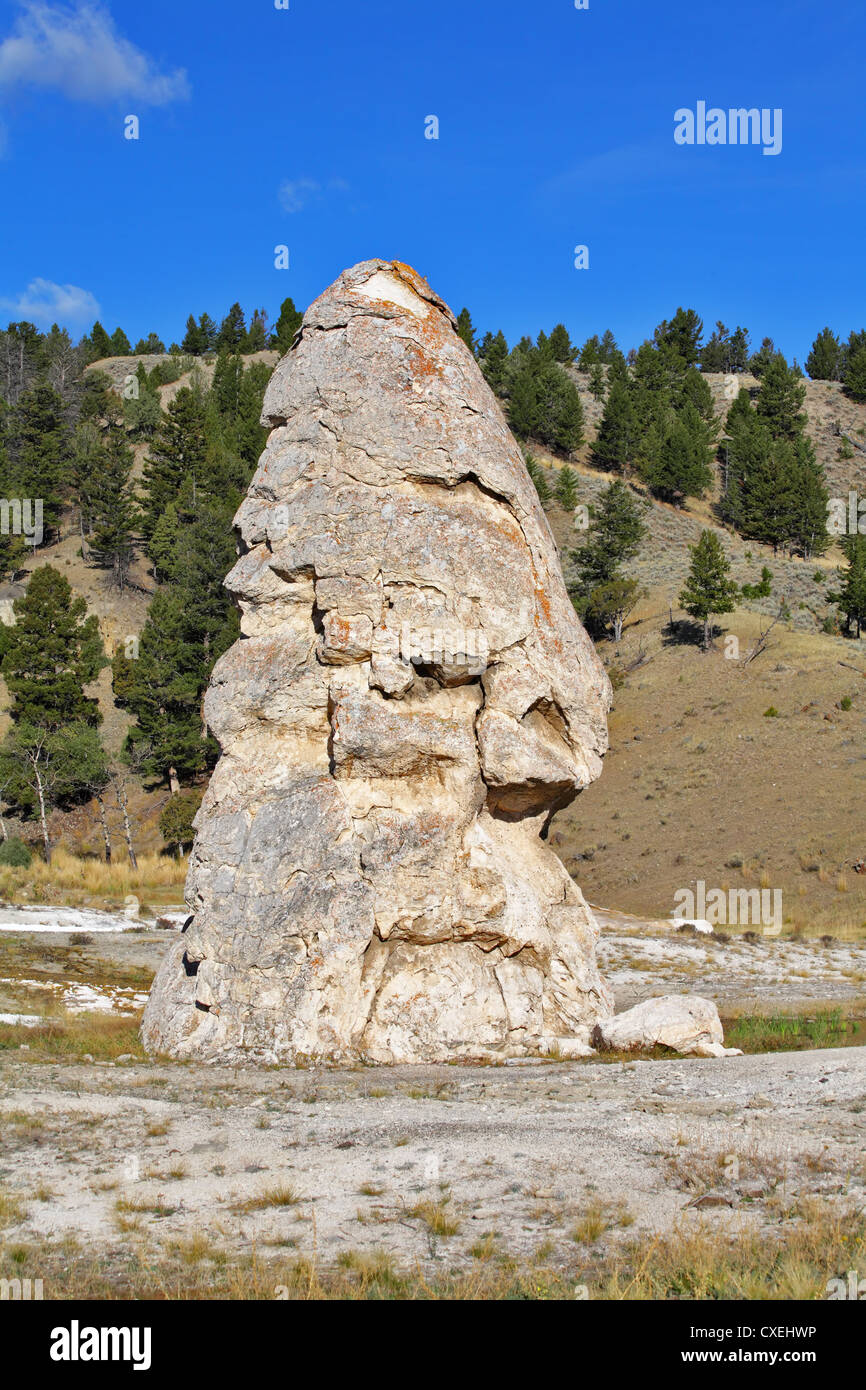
pixel 151 1206
pixel 698 1169
pixel 591 1224
pixel 819 1242
pixel 436 1216
pixel 813 1242
pixel 700 782
pixel 12 1209
pixel 76 878
pixel 282 1195
pixel 103 1037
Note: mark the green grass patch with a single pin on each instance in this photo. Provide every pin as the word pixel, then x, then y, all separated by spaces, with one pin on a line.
pixel 794 1032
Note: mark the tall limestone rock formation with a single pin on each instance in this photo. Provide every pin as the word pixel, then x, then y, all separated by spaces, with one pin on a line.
pixel 411 698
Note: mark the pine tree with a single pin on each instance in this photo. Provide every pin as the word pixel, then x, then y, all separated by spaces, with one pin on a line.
pixel 543 401
pixel 522 395
pixel 708 590
pixel 162 542
pixel 560 412
pixel 607 348
pixel 590 353
pixel 39 439
pixel 824 362
pixel 617 534
pixel 120 344
pixel 739 350
pixel 143 413
pixel 760 361
pixel 249 435
pixel 233 331
pixel 100 341
pixel 566 489
pixel 851 596
pixel 193 342
pixel 190 623
pixel 466 329
pixel 206 454
pixel 20 359
pixel 560 345
pixel 114 514
pixel 494 362
pixel 726 351
pixel 804 497
pixel 537 474
pixel 151 345
pixel 679 469
pixel 694 390
pixel 856 343
pixel 162 688
pixel 62 364
pixel 226 384
pixel 97 397
pixel 780 400
pixel 614 447
pixel 12 546
pixel 208 333
pixel 257 337
pixel 855 375
pixel 178 451
pixel 682 335
pixel 748 453
pixel 86 455
pixel 286 326
pixel 611 603
pixel 715 354
pixel 597 381
pixel 51 653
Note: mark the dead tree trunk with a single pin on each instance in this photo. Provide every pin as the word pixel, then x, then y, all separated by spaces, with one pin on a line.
pixel 120 793
pixel 40 791
pixel 106 836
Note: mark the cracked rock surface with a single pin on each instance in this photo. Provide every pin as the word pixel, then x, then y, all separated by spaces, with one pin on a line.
pixel 411 698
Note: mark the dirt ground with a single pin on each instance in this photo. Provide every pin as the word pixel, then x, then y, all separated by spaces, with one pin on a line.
pixel 516 1154
pixel 436 1162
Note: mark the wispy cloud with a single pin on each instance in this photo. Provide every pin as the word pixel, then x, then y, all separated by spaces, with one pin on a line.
pixel 296 194
pixel 619 169
pixel 77 51
pixel 43 302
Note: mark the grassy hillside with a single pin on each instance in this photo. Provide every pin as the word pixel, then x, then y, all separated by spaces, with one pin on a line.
pixel 700 783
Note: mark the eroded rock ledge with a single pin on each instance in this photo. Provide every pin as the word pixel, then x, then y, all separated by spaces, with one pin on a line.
pixel 411 699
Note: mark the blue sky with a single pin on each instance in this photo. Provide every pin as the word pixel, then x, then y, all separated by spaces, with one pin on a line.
pixel 306 127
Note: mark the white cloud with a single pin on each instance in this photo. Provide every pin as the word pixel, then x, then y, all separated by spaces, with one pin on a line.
pixel 78 52
pixel 43 302
pixel 295 194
